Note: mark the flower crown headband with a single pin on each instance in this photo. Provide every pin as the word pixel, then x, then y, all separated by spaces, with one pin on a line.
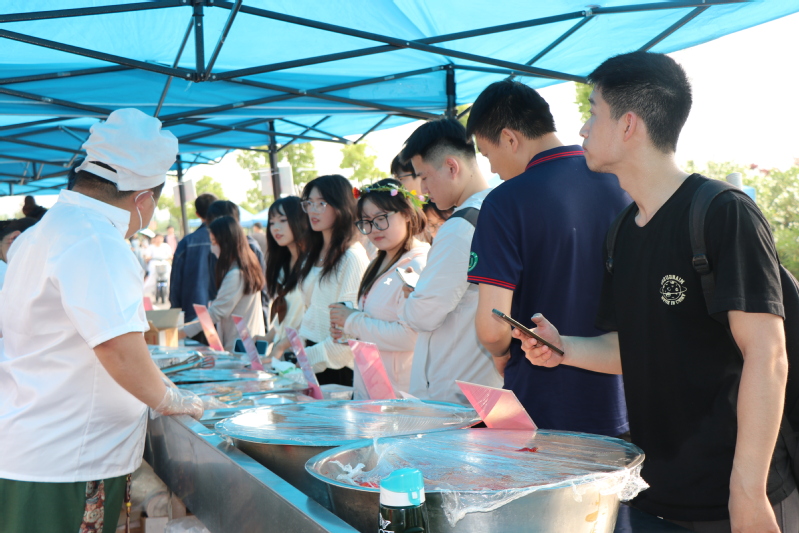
pixel 415 198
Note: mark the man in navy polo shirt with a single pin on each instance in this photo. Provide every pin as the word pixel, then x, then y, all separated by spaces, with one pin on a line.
pixel 538 248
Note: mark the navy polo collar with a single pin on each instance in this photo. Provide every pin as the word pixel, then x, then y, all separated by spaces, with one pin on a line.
pixel 555 153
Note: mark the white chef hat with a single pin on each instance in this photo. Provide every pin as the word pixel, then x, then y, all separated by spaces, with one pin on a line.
pixel 135 146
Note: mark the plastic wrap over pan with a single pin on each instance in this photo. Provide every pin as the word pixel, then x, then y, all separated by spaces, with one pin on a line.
pixel 544 477
pixel 332 423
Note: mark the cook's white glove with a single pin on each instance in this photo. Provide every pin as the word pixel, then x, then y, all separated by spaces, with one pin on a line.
pixel 180 402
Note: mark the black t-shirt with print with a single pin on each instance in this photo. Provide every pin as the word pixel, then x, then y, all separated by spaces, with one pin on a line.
pixel 681 367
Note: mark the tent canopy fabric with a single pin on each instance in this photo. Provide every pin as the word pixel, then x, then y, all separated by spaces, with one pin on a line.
pixel 247 73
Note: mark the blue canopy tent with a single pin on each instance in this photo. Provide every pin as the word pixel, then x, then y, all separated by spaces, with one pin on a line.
pixel 225 75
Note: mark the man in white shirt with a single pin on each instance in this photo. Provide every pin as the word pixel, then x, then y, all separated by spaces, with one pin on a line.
pixel 443 305
pixel 76 377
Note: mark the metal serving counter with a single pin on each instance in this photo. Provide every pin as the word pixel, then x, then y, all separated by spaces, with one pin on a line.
pixel 229 491
pixel 226 489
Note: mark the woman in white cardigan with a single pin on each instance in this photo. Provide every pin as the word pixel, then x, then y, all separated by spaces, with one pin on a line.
pixel 239 280
pixel 331 273
pixel 391 216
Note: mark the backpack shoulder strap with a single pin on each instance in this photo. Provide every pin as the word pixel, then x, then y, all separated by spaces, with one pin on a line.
pixel 470 214
pixel 697 213
pixel 613 232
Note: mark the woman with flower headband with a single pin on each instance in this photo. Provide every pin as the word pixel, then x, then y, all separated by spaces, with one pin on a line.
pixel 392 217
pixel 331 272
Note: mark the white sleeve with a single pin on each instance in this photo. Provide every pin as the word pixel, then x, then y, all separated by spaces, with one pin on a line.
pixel 388 335
pixel 443 282
pixel 105 300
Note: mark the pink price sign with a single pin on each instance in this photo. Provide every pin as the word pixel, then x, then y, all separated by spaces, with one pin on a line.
pixel 373 372
pixel 302 359
pixel 249 344
pixel 499 408
pixel 208 328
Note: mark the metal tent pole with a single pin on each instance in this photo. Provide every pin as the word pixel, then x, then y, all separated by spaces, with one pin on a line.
pixel 273 160
pixel 451 106
pixel 182 192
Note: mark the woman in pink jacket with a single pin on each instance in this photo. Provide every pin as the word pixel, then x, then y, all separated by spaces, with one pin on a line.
pixel 390 216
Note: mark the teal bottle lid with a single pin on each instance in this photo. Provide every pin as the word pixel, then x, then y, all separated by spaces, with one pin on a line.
pixel 402 488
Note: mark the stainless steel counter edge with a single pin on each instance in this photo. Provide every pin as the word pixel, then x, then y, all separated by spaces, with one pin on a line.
pixel 226 489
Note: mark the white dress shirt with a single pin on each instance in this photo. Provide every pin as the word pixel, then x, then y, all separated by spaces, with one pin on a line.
pixel 72 284
pixel 442 311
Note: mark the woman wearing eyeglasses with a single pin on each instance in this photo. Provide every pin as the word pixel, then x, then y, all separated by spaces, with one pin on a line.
pixel 331 272
pixel 391 217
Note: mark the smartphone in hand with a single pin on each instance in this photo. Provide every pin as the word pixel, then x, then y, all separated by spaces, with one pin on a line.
pixel 408 278
pixel 527 331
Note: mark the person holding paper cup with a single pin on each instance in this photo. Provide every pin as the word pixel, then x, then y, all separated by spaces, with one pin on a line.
pixel 391 217
pixel 76 377
pixel 238 278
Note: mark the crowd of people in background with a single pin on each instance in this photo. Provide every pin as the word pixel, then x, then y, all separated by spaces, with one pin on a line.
pixel 419 263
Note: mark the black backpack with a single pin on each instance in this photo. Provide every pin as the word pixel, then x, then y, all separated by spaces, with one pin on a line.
pixel 700 204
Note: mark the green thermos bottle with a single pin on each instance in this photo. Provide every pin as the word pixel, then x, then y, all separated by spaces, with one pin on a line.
pixel 402 507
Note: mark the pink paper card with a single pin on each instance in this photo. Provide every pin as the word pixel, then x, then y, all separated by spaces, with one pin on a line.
pixel 208 328
pixel 302 359
pixel 372 370
pixel 148 304
pixel 249 344
pixel 499 408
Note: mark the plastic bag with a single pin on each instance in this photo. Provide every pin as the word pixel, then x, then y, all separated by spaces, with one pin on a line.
pixel 188 524
pixel 480 470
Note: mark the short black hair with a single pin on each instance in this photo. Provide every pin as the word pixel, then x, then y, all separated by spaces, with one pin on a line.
pixel 433 139
pixel 104 189
pixel 513 105
pixel 653 86
pixel 72 175
pixel 19 224
pixel 257 225
pixel 222 208
pixel 203 202
pixel 399 167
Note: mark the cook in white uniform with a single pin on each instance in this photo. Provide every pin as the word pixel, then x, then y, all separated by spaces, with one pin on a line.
pixel 76 377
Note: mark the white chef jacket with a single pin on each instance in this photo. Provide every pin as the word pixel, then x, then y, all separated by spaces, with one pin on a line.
pixel 442 311
pixel 72 284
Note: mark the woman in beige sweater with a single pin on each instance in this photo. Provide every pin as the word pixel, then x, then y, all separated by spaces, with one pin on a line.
pixel 239 280
pixel 331 273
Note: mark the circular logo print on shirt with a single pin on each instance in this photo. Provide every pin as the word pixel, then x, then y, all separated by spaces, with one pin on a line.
pixel 672 289
pixel 472 261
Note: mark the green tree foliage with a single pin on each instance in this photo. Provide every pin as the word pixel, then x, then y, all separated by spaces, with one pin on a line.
pixel 582 92
pixel 363 165
pixel 167 201
pixel 299 156
pixel 778 198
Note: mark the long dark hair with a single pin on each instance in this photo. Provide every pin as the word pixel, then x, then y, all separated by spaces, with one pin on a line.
pixel 398 203
pixel 337 192
pixel 281 276
pixel 234 250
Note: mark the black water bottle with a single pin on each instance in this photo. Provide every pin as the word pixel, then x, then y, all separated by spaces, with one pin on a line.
pixel 402 507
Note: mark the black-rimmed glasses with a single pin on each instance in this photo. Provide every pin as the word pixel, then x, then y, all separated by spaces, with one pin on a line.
pixel 379 223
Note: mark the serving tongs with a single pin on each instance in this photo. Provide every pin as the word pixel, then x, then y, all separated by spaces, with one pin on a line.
pixel 195 361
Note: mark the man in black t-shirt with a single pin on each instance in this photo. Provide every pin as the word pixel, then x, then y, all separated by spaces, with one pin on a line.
pixel 704 405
